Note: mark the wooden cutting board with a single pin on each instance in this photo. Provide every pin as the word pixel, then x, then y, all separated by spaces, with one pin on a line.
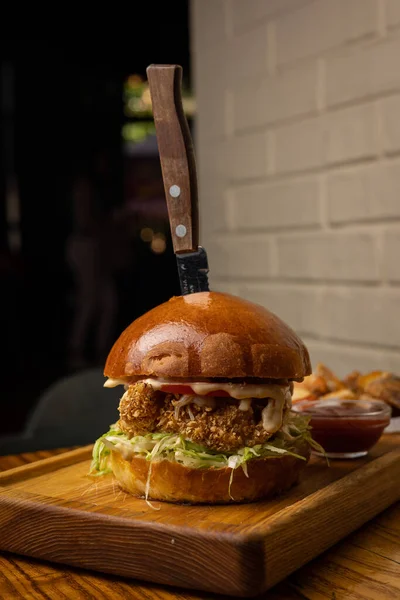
pixel 52 510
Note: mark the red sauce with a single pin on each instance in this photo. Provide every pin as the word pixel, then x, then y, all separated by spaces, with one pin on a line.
pixel 346 426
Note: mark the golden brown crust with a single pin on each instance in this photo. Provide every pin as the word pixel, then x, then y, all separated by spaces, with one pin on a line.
pixel 208 334
pixel 172 482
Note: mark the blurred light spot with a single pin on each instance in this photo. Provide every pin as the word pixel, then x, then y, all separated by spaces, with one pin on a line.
pixel 146 234
pixel 137 132
pixel 158 243
pixel 134 81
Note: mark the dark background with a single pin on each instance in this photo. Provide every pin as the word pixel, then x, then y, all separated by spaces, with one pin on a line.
pixel 62 105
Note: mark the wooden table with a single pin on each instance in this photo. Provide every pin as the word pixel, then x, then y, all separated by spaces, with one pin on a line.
pixel 365 566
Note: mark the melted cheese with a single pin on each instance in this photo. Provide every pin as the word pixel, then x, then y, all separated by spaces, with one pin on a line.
pixel 235 390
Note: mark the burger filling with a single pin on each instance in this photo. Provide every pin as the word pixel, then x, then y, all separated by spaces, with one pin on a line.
pixel 203 423
pixel 223 424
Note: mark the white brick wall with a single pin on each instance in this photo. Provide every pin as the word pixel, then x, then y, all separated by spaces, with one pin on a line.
pixel 332 256
pixel 365 193
pixel 322 25
pixel 390 108
pixel 248 12
pixel 244 257
pixel 393 13
pixel 366 72
pixel 298 150
pixel 275 98
pixel 299 146
pixel 273 206
pixel 391 256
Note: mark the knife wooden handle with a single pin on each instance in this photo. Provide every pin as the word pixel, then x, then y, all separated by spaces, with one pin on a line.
pixel 177 158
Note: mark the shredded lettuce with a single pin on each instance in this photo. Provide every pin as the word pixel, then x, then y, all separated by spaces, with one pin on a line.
pixel 174 447
pixel 101 452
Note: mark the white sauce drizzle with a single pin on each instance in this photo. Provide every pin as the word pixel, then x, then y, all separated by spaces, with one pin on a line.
pixel 110 382
pixel 238 391
pixel 272 415
pixel 245 404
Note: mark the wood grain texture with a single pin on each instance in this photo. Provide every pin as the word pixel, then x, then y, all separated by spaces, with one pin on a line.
pixel 62 516
pixel 365 565
pixel 176 151
pixel 18 460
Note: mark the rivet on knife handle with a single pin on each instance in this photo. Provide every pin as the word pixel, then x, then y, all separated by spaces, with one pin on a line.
pixel 176 155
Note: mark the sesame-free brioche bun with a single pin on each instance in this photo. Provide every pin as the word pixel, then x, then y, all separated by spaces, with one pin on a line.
pixel 208 335
pixel 172 482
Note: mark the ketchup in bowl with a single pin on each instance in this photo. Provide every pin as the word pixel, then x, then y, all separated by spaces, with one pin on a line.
pixel 345 428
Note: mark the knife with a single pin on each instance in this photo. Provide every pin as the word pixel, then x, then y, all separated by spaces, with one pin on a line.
pixel 178 166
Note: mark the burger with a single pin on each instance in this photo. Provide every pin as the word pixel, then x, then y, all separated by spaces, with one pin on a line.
pixel 205 416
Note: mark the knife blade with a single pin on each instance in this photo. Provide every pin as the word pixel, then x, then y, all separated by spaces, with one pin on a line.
pixel 178 166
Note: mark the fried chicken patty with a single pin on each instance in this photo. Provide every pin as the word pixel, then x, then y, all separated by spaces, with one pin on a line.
pixel 140 409
pixel 222 428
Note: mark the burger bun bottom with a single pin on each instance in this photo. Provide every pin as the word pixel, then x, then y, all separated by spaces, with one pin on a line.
pixel 173 482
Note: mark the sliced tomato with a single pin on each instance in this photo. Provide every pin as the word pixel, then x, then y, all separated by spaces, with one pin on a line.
pixel 187 390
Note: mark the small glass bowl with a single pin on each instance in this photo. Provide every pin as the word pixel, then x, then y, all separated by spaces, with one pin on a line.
pixel 345 428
